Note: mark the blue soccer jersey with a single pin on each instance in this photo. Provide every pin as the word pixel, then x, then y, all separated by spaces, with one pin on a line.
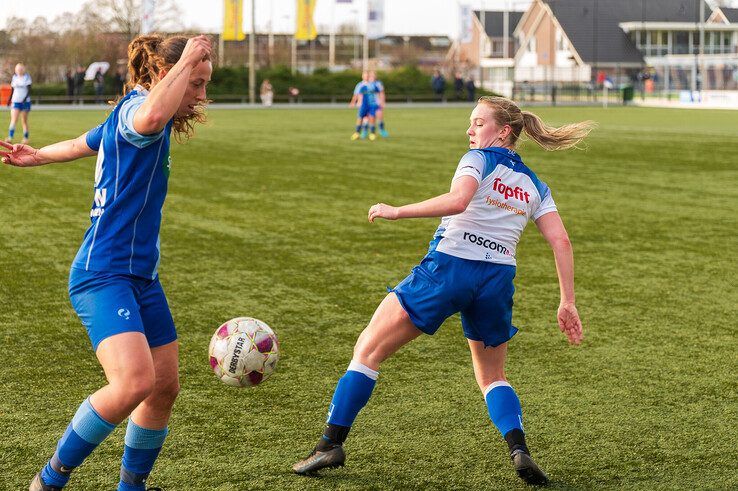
pixel 130 187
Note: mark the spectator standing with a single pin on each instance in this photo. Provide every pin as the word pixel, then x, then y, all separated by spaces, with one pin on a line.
pixel 470 89
pixel 459 86
pixel 99 84
pixel 69 77
pixel 79 83
pixel 119 80
pixel 266 93
pixel 438 84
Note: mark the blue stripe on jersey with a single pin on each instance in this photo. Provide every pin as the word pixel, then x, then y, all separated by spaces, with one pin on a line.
pixel 502 156
pixel 130 187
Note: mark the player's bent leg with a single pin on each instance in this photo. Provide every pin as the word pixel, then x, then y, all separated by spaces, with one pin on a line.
pixel 389 329
pixel 504 408
pixel 11 127
pixel 147 426
pixel 128 366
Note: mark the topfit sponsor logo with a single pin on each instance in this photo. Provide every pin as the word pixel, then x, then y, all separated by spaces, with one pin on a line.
pixel 509 192
pixel 487 243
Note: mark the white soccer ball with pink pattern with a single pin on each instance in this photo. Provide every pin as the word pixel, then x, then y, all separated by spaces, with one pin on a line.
pixel 243 352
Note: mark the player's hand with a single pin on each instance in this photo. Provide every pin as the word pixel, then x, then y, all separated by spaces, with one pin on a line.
pixel 19 155
pixel 569 322
pixel 380 210
pixel 196 50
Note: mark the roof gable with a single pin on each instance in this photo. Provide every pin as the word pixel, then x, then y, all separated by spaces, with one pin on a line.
pixel 593 26
pixel 730 14
pixel 494 22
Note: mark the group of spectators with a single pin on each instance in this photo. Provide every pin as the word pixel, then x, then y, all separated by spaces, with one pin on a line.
pixel 76 83
pixel 464 90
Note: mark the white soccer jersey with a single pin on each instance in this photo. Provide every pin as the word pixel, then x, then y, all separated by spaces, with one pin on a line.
pixel 509 195
pixel 21 88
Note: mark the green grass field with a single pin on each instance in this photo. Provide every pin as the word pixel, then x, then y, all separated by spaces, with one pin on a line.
pixel 266 216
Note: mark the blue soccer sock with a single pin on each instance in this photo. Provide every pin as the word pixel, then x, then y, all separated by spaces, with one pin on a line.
pixel 11 131
pixel 373 129
pixel 364 127
pixel 504 407
pixel 25 135
pixel 139 454
pixel 86 431
pixel 381 125
pixel 352 393
pixel 358 128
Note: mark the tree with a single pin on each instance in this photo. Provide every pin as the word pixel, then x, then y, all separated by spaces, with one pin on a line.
pixel 124 16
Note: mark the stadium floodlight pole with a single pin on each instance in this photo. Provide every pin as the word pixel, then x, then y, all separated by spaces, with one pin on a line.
pixel 482 35
pixel 702 46
pixel 365 44
pixel 332 39
pixel 252 52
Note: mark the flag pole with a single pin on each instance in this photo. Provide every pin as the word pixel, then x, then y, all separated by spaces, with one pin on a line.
pixel 252 52
pixel 332 43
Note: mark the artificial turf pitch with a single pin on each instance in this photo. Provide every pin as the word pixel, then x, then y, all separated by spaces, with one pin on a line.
pixel 266 217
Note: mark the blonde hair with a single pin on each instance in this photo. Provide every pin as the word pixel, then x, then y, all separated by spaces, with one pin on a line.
pixel 506 112
pixel 148 56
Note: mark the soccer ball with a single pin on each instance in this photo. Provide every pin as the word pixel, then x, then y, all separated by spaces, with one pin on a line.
pixel 243 352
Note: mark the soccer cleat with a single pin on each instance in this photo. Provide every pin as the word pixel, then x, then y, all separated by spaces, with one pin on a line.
pixel 37 484
pixel 355 136
pixel 335 457
pixel 383 133
pixel 24 141
pixel 372 136
pixel 527 469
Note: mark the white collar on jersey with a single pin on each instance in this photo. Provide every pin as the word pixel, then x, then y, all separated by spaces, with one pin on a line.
pixel 141 90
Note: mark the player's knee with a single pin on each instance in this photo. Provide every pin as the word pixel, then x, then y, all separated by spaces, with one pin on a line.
pixel 167 393
pixel 133 390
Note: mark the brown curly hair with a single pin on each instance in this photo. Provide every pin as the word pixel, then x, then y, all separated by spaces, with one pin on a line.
pixel 148 56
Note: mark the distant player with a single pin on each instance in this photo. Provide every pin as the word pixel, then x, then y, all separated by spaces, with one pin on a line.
pixel 364 98
pixel 469 268
pixel 114 284
pixel 380 102
pixel 20 101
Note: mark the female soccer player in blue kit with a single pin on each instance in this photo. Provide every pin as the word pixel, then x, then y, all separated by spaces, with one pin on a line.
pixel 469 268
pixel 113 283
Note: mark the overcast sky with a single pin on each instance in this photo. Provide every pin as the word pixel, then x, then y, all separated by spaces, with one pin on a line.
pixel 401 16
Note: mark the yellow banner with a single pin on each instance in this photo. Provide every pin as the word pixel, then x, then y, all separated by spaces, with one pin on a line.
pixel 305 29
pixel 233 20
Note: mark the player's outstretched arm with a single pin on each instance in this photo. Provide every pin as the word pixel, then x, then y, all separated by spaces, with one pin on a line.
pixel 451 203
pixel 27 156
pixel 552 229
pixel 165 97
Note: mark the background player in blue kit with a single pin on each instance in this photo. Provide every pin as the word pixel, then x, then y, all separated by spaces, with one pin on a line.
pixel 380 100
pixel 469 268
pixel 113 284
pixel 364 98
pixel 20 101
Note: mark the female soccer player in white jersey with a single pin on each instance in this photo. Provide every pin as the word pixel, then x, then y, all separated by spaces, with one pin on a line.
pixel 113 284
pixel 469 268
pixel 20 101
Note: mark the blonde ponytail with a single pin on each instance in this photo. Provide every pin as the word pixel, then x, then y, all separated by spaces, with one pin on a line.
pixel 506 112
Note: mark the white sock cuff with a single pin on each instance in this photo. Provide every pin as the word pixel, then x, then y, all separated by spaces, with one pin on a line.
pixel 499 383
pixel 361 368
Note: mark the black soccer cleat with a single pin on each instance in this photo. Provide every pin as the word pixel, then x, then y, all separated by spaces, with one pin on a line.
pixel 527 469
pixel 37 484
pixel 328 459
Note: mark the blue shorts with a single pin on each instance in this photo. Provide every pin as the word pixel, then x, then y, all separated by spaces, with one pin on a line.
pixel 365 111
pixel 23 106
pixel 113 303
pixel 442 285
